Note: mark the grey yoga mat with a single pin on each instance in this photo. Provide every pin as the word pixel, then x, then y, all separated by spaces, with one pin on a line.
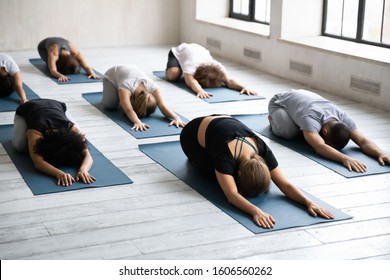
pixel 74 78
pixel 221 94
pixel 10 103
pixel 260 124
pixel 287 213
pixel 106 173
pixel 159 125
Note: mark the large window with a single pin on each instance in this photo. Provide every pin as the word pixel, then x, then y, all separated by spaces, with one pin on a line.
pixel 365 21
pixel 251 10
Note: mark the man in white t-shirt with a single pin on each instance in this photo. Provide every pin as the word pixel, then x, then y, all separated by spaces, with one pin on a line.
pixel 10 78
pixel 325 126
pixel 200 70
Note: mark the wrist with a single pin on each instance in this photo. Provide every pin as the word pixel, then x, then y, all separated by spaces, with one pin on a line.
pixel 255 211
pixel 309 203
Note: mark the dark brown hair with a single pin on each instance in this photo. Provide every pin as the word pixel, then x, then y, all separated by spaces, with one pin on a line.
pixel 62 147
pixel 339 135
pixel 68 64
pixel 210 76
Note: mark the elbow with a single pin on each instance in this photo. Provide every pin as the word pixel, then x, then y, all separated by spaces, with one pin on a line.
pixel 317 150
pixel 231 199
pixel 38 166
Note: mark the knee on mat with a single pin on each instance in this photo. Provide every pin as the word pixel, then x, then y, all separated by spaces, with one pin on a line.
pixel 282 125
pixel 173 74
pixel 19 139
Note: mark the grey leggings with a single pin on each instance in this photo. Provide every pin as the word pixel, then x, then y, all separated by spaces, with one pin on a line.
pixel 19 138
pixel 110 98
pixel 280 121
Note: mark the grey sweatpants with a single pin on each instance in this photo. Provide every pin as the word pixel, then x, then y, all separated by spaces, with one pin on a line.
pixel 110 98
pixel 280 121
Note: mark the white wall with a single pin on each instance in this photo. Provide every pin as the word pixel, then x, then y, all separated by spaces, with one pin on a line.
pixel 111 23
pixel 331 72
pixel 89 23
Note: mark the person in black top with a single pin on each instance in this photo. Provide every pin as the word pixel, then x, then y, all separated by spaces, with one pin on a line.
pixel 45 129
pixel 63 58
pixel 242 163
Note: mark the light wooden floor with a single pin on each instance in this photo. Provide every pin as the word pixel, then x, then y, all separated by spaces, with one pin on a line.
pixel 159 217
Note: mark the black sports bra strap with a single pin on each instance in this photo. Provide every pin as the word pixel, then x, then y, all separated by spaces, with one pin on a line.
pixel 242 140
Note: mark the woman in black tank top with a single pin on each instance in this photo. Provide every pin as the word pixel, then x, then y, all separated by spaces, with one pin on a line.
pixel 242 163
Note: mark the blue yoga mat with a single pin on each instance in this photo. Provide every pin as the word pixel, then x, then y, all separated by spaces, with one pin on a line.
pixel 10 103
pixel 221 94
pixel 74 78
pixel 103 170
pixel 287 213
pixel 260 124
pixel 159 124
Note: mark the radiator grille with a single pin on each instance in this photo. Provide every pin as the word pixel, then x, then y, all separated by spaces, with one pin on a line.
pixel 301 67
pixel 252 53
pixel 365 85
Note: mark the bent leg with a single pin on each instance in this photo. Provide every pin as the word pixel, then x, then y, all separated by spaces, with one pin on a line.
pixel 173 74
pixel 195 153
pixel 173 71
pixel 110 98
pixel 280 121
pixel 6 86
pixel 282 125
pixel 19 139
pixel 42 51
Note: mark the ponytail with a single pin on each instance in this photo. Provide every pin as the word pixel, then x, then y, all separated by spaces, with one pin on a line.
pixel 254 178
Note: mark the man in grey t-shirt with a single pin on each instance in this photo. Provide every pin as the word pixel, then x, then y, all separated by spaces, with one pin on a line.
pixel 325 126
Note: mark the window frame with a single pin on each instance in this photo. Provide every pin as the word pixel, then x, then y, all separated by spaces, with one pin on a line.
pixel 250 17
pixel 360 26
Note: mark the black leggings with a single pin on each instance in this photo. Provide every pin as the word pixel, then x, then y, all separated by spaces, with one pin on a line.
pixel 6 86
pixel 195 153
pixel 172 61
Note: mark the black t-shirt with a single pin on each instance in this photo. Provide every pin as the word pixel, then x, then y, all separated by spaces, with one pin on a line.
pixel 222 130
pixel 44 114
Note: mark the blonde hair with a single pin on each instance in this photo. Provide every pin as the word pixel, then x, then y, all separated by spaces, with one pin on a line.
pixel 144 105
pixel 210 75
pixel 254 178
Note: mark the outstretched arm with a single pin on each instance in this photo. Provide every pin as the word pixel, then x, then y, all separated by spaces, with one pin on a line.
pixel 321 148
pixel 233 84
pixel 166 111
pixel 195 86
pixel 80 58
pixel 124 100
pixel 297 195
pixel 18 84
pixel 52 57
pixel 63 179
pixel 83 172
pixel 229 188
pixel 369 147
